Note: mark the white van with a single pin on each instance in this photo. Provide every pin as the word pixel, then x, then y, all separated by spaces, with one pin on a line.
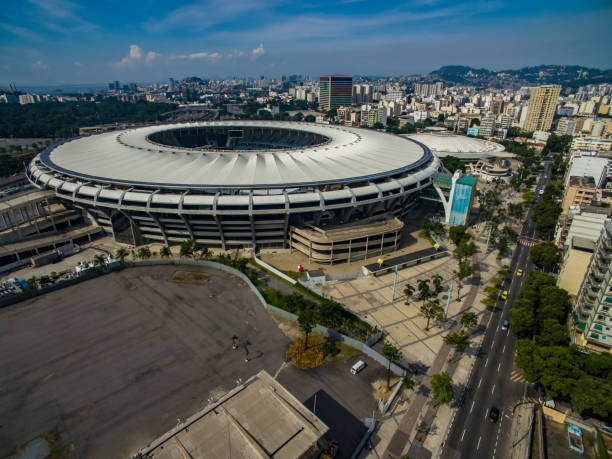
pixel 358 367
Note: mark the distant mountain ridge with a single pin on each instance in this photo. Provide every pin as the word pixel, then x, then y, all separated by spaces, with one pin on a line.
pixel 566 75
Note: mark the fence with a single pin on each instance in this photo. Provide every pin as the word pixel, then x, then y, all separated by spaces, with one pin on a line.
pixel 274 270
pixel 117 266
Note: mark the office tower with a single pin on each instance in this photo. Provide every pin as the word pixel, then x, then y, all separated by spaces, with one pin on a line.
pixel 541 108
pixel 335 91
pixel 592 312
pixel 171 84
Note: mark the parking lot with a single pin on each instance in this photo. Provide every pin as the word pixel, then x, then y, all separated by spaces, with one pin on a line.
pixel 112 363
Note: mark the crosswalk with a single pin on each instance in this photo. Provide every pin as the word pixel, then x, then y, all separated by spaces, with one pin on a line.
pixel 517 375
pixel 527 242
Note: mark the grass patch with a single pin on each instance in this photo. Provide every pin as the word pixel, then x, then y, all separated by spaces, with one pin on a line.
pixel 189 277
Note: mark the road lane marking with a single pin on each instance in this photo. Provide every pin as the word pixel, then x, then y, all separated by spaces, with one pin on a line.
pixel 472 406
pixel 504 349
pixel 462 435
pixel 492 389
pixel 486 361
pixel 479 381
pixel 478 445
pixel 498 365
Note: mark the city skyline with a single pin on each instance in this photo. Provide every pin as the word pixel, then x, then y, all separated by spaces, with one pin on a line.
pixel 60 42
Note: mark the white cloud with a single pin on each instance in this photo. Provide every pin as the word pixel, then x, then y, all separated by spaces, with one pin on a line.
pixel 235 53
pixel 151 56
pixel 38 65
pixel 77 64
pixel 136 55
pixel 259 51
pixel 200 55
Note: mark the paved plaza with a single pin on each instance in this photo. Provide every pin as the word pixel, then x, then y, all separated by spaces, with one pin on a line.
pixel 372 298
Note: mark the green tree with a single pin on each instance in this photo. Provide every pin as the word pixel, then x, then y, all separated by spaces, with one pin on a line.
pixel 378 125
pixel 310 118
pixel 469 320
pixel 306 322
pixel 144 253
pixel 164 252
pixel 424 291
pixel 452 163
pixel 99 260
pixel 432 311
pixel 393 355
pixel 437 283
pixel 516 211
pixel 409 290
pixel 121 254
pixel 461 340
pixel 408 383
pixel 465 270
pixel 459 234
pixel 528 196
pixel 464 250
pixel 441 385
pixel 502 247
pixel 545 255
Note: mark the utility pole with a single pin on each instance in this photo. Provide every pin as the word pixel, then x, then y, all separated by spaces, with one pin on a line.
pixel 488 238
pixel 394 283
pixel 448 300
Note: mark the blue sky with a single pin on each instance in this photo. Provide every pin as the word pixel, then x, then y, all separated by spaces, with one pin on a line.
pixel 45 42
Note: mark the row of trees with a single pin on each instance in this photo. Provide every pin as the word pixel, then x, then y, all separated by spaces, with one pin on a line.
pixel 63 119
pixel 441 383
pixel 564 371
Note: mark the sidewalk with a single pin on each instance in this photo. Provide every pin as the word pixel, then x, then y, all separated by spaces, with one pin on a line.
pixel 402 436
pixel 401 442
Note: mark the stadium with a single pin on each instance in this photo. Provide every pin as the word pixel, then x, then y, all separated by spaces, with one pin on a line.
pixel 333 192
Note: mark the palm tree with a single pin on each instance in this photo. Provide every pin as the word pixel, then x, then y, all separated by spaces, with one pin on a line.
pixel 121 254
pixel 144 253
pixel 392 354
pixel 205 252
pixel 99 261
pixel 424 292
pixel 437 283
pixel 164 252
pixel 409 290
pixel 306 322
pixel 234 340
pixel 432 311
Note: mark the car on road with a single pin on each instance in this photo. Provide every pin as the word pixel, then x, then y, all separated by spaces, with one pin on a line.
pixel 505 295
pixel 505 325
pixel 358 367
pixel 519 272
pixel 493 414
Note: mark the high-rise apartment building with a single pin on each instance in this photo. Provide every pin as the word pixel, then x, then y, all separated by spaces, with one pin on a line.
pixel 171 84
pixel 592 312
pixel 541 108
pixel 335 91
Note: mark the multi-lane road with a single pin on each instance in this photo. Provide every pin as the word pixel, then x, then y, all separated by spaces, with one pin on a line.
pixel 494 381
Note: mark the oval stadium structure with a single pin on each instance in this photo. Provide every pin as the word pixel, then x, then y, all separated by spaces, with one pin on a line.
pixel 233 184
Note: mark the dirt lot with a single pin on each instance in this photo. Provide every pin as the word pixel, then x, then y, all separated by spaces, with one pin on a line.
pixel 113 362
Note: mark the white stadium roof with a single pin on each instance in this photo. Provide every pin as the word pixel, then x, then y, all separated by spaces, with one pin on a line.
pixel 463 147
pixel 128 157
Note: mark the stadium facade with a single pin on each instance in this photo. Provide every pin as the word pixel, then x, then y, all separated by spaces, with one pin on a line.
pixel 231 184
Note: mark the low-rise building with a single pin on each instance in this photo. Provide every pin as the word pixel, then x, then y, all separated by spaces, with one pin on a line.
pixel 579 191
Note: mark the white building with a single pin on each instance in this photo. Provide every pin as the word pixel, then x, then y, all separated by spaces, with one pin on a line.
pixel 588 166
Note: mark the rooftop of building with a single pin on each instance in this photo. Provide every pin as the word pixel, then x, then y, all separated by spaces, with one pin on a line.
pixel 338 154
pixel 582 181
pixel 461 146
pixel 257 419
